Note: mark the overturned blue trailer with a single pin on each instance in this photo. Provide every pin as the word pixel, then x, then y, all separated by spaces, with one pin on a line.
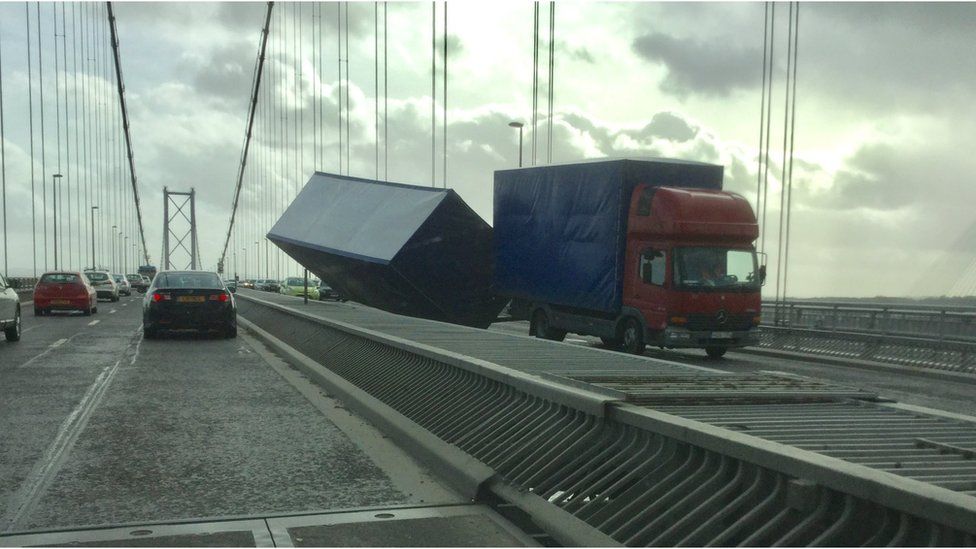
pixel 410 250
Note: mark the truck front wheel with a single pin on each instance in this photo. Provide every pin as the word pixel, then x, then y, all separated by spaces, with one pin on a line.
pixel 543 329
pixel 715 352
pixel 633 337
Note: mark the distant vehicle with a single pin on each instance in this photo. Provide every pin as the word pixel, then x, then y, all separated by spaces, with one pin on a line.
pixel 104 285
pixel 327 292
pixel 123 283
pixel 267 285
pixel 148 271
pixel 137 282
pixel 188 300
pixel 633 251
pixel 64 291
pixel 247 284
pixel 147 280
pixel 9 311
pixel 295 286
pixel 231 285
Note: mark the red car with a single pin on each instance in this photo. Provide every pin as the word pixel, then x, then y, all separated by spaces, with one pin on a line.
pixel 64 291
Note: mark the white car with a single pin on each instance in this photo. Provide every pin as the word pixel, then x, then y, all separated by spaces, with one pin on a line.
pixel 104 285
pixel 123 283
pixel 9 311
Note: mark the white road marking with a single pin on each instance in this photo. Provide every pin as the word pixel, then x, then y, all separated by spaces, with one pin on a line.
pixel 59 342
pixel 574 340
pixel 112 312
pixel 94 322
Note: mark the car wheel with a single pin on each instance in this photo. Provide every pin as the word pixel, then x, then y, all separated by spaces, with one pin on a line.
pixel 13 332
pixel 95 310
pixel 611 342
pixel 633 337
pixel 38 311
pixel 149 333
pixel 115 298
pixel 715 353
pixel 87 312
pixel 231 332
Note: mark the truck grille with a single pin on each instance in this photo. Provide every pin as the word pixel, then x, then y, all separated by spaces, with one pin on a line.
pixel 712 321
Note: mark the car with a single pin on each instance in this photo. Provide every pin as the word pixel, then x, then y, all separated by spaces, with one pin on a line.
pixel 266 285
pixel 248 283
pixel 123 283
pixel 327 292
pixel 9 311
pixel 104 285
pixel 180 300
pixel 295 286
pixel 137 282
pixel 64 291
pixel 147 280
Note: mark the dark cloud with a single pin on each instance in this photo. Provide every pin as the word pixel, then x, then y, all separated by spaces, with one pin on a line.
pixel 669 126
pixel 225 75
pixel 711 68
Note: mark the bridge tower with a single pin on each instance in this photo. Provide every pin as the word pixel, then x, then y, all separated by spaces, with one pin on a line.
pixel 185 226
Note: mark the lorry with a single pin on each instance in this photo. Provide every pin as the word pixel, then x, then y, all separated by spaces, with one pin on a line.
pixel 635 251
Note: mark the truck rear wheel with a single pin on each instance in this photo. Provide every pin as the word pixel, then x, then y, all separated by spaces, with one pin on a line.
pixel 715 352
pixel 633 337
pixel 611 342
pixel 542 328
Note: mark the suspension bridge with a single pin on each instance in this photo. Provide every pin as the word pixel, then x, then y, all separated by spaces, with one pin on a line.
pixel 335 423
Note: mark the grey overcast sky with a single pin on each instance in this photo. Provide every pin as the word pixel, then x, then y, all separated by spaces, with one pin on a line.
pixel 884 197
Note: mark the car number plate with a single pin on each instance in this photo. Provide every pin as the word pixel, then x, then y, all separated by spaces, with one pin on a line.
pixel 191 299
pixel 60 302
pixel 721 335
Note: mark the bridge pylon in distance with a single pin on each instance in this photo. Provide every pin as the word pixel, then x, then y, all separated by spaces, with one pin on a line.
pixel 179 225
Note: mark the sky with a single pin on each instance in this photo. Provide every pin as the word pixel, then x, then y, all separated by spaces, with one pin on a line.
pixel 883 197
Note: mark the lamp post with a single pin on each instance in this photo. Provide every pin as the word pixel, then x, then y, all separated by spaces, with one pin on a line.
pixel 518 125
pixel 125 254
pixel 93 208
pixel 245 261
pixel 54 187
pixel 114 235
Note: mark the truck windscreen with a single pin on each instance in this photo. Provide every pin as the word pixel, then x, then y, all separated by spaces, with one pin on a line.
pixel 721 269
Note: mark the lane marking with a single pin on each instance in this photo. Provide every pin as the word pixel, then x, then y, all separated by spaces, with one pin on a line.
pixel 94 322
pixel 112 312
pixel 43 473
pixel 59 343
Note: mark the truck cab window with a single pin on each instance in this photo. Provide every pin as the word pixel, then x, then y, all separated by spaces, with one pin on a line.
pixel 652 267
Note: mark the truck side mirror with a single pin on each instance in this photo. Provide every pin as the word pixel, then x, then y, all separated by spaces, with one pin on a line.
pixel 762 275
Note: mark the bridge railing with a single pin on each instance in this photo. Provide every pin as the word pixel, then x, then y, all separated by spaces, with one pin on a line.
pixel 912 335
pixel 24 287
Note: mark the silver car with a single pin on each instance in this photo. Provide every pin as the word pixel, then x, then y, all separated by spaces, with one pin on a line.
pixel 9 311
pixel 123 283
pixel 104 284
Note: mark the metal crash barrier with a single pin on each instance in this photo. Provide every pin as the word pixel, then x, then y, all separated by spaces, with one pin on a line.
pixel 600 460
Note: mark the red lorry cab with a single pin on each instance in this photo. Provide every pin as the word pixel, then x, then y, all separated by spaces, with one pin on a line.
pixel 691 268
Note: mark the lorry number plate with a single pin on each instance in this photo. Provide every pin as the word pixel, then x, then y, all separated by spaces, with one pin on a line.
pixel 721 335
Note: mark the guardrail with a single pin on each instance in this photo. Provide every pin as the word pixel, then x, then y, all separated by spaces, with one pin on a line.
pixel 941 338
pixel 890 319
pixel 597 469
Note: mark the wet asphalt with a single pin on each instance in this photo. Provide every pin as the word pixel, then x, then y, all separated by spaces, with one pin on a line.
pixel 102 427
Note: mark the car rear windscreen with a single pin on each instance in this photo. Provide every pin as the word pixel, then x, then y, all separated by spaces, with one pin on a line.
pixel 134 277
pixel 60 278
pixel 96 276
pixel 207 281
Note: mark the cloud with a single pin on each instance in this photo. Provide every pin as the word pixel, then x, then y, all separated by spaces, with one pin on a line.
pixel 696 67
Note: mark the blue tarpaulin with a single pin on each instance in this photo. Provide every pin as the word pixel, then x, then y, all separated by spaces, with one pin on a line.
pixel 560 231
pixel 410 250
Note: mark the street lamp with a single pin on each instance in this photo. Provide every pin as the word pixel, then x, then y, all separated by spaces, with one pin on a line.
pixel 54 187
pixel 93 208
pixel 245 262
pixel 125 254
pixel 519 126
pixel 114 228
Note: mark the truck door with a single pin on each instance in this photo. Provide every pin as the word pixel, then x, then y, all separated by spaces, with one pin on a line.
pixel 649 290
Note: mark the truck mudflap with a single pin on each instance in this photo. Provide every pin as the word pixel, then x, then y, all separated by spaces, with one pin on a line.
pixel 677 337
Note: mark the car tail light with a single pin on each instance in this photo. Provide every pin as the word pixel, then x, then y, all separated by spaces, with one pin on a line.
pixel 221 297
pixel 157 297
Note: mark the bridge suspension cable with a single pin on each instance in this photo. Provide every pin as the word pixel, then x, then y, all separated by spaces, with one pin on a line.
pixel 252 108
pixel 125 126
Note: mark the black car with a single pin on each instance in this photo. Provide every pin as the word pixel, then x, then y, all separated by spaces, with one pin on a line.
pixel 180 300
pixel 327 292
pixel 137 282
